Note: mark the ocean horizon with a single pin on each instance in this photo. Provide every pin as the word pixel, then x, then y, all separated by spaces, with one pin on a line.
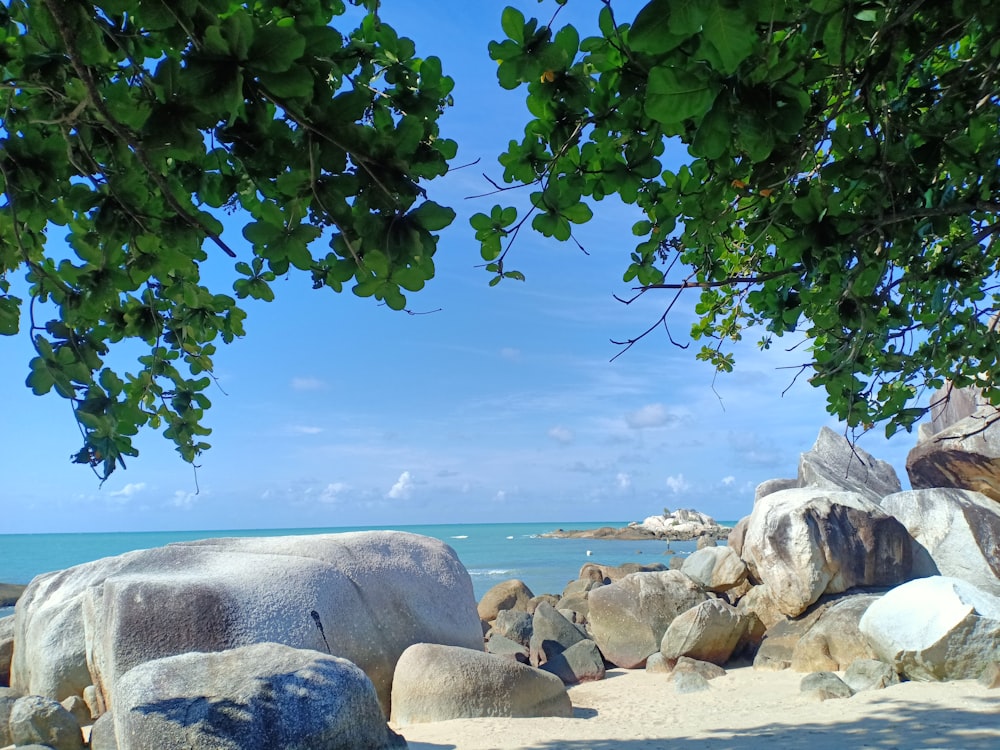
pixel 491 552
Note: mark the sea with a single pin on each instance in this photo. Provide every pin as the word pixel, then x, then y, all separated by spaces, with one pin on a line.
pixel 491 552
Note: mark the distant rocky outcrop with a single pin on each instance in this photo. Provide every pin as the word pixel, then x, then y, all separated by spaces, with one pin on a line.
pixel 681 525
pixel 10 593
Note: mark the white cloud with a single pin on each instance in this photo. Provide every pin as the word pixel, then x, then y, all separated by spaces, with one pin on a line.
pixel 303 429
pixel 650 415
pixel 500 496
pixel 129 490
pixel 308 384
pixel 729 481
pixel 624 481
pixel 561 434
pixel 403 487
pixel 183 499
pixel 333 491
pixel 510 353
pixel 678 484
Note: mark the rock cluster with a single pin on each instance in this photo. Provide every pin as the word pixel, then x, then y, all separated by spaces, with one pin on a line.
pixel 681 525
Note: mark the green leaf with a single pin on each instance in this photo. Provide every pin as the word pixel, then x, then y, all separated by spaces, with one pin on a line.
pixel 432 216
pixel 512 23
pixel 688 16
pixel 275 49
pixel 677 94
pixel 714 135
pixel 295 83
pixel 729 36
pixel 10 315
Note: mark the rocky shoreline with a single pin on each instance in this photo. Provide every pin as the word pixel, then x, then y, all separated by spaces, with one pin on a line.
pixel 10 593
pixel 683 525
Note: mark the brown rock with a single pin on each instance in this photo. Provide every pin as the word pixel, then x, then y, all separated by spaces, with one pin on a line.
pixel 965 455
pixel 512 594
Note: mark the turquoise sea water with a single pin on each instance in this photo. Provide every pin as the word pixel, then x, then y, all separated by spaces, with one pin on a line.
pixel 491 552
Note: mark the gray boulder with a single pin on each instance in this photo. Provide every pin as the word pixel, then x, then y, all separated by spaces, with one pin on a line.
pixel 364 596
pixel 102 733
pixel 42 721
pixel 990 678
pixel 7 699
pixel 611 573
pixel 581 662
pixel 6 648
pixel 870 674
pixel 706 669
pixel 716 569
pixel 515 625
pixel 770 486
pixel 629 617
pixel 78 707
pixel 935 628
pixel 512 594
pixel 804 543
pixel 822 686
pixel 708 632
pixel 499 645
pixel 735 539
pixel 835 464
pixel 690 682
pixel 551 634
pixel 256 697
pixel 438 683
pixel 955 533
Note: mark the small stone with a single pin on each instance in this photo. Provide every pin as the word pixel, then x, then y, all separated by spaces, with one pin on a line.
pixel 38 720
pixel 823 686
pixel 690 682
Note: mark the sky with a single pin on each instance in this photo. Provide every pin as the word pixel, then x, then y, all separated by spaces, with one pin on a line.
pixel 501 405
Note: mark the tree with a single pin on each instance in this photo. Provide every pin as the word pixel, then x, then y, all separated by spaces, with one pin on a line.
pixel 134 124
pixel 843 184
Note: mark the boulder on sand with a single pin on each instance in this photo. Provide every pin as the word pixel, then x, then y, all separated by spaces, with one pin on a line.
pixel 935 628
pixel 364 596
pixel 955 533
pixel 252 698
pixel 629 617
pixel 804 543
pixel 551 634
pixel 708 632
pixel 438 683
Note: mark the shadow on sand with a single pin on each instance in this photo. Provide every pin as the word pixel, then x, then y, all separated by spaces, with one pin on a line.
pixel 897 726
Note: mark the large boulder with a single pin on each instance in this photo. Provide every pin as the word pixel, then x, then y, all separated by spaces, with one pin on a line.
pixel 35 720
pixel 836 465
pixel 551 634
pixel 8 698
pixel 803 543
pixel 716 569
pixel 256 697
pixel 581 662
pixel 506 595
pixel 955 533
pixel 629 617
pixel 611 573
pixel 438 683
pixel 364 596
pixel 964 455
pixel 936 628
pixel 834 640
pixel 708 632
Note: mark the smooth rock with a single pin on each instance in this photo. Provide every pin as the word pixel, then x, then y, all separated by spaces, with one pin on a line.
pixel 42 721
pixel 365 596
pixel 102 733
pixel 257 697
pixel 7 699
pixel 706 669
pixel 506 595
pixel 581 662
pixel 629 617
pixel 935 628
pixel 708 632
pixel 690 682
pixel 438 683
pixel 656 663
pixel 804 543
pixel 611 573
pixel 735 539
pixel 834 640
pixel 715 568
pixel 990 677
pixel 551 634
pixel 770 486
pixel 955 533
pixel 822 686
pixel 870 674
pixel 78 707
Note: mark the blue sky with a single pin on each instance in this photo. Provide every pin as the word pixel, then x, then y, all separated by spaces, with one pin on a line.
pixel 503 406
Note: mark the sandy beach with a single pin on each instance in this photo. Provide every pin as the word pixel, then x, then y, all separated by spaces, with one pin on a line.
pixel 745 709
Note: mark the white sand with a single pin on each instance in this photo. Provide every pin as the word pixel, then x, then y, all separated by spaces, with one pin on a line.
pixel 746 709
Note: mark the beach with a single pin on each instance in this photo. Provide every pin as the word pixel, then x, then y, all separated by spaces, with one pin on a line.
pixel 746 709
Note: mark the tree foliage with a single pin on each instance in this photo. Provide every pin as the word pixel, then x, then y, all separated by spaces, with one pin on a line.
pixel 131 126
pixel 843 181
